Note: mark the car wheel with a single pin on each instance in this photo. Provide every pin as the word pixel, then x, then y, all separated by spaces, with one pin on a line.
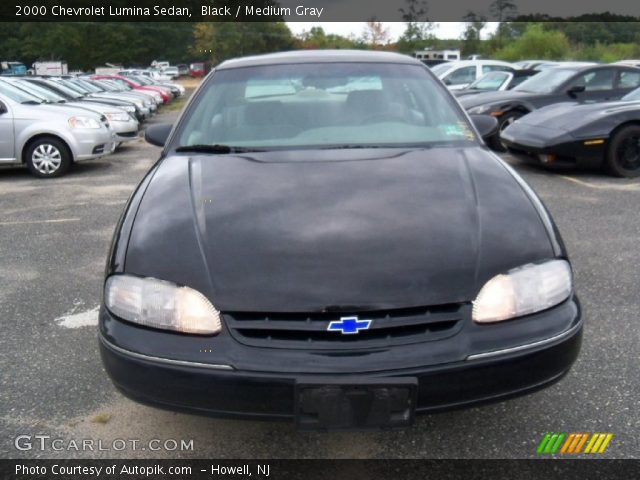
pixel 47 157
pixel 623 153
pixel 503 122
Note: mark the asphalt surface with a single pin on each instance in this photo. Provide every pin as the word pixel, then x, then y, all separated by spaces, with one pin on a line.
pixel 54 238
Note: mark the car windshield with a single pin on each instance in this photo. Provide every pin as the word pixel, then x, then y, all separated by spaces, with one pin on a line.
pixel 18 95
pixel 440 68
pixel 66 91
pixel 633 95
pixel 141 80
pixel 39 91
pixel 330 105
pixel 71 86
pixel 87 85
pixel 109 86
pixel 546 81
pixel 490 81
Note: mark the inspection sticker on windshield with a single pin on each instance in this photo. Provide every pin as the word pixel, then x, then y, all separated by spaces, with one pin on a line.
pixel 457 130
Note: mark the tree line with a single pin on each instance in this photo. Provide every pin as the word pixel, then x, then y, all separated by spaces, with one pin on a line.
pixel 85 45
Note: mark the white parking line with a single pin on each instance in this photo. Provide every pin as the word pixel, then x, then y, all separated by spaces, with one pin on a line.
pixel 29 222
pixel 88 318
pixel 603 186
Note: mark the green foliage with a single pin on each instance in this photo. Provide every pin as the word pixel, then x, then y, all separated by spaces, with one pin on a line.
pixel 316 38
pixel 219 41
pixel 85 45
pixel 536 43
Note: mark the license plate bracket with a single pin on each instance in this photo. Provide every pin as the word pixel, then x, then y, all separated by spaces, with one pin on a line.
pixel 356 404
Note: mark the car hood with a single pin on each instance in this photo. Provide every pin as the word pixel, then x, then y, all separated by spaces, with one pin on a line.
pixel 568 116
pixel 489 98
pixel 335 230
pixel 467 91
pixel 52 111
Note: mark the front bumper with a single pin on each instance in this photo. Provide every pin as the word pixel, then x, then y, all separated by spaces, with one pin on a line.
pixel 125 131
pixel 565 151
pixel 222 389
pixel 89 144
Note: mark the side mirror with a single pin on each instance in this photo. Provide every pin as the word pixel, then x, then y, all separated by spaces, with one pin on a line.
pixel 576 89
pixel 486 125
pixel 158 134
pixel 3 109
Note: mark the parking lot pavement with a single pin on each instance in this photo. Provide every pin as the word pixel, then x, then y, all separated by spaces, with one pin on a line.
pixel 54 237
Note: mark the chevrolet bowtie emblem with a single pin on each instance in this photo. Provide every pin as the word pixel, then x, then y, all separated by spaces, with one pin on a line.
pixel 348 325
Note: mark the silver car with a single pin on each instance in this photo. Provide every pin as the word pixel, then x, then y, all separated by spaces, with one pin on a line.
pixel 124 125
pixel 48 138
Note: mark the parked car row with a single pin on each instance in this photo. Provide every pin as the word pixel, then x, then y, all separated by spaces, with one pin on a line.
pixel 49 123
pixel 575 112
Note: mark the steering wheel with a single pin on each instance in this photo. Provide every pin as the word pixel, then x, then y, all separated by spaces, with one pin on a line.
pixel 382 117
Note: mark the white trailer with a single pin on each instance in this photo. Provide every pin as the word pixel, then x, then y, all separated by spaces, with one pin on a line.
pixel 50 68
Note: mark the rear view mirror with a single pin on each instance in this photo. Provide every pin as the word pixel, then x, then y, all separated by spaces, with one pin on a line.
pixel 3 109
pixel 486 125
pixel 158 134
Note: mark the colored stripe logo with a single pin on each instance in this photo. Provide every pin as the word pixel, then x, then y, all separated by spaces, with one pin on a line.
pixel 574 443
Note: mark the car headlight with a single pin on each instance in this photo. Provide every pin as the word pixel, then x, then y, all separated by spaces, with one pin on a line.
pixel 118 116
pixel 160 304
pixel 83 122
pixel 129 108
pixel 147 103
pixel 522 291
pixel 479 110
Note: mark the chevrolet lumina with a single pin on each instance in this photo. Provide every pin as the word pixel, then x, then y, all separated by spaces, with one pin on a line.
pixel 326 239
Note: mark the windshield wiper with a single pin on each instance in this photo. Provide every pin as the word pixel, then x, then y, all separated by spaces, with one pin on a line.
pixel 216 149
pixel 31 102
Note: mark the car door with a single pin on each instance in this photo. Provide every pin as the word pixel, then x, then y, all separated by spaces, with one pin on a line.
pixel 7 136
pixel 598 85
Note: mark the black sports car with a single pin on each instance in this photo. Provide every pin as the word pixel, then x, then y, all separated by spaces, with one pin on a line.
pixel 556 85
pixel 605 134
pixel 326 239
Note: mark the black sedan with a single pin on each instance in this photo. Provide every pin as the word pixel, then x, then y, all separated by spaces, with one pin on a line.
pixel 603 134
pixel 326 240
pixel 556 85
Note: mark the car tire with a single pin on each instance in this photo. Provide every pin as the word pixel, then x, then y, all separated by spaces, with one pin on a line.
pixel 623 153
pixel 503 122
pixel 47 157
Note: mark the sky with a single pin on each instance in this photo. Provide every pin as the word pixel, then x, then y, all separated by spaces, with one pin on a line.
pixel 444 30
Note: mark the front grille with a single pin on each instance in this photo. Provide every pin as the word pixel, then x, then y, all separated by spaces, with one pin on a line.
pixel 128 134
pixel 309 330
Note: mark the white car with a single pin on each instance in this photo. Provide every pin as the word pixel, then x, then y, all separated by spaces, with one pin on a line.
pixel 458 75
pixel 171 72
pixel 630 63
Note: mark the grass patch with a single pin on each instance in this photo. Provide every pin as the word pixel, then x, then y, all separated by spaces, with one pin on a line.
pixel 176 105
pixel 188 82
pixel 102 418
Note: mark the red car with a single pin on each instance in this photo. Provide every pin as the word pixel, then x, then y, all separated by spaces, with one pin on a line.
pixel 197 70
pixel 135 85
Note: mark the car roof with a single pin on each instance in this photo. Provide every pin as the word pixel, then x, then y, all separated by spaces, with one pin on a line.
pixel 465 63
pixel 579 67
pixel 318 56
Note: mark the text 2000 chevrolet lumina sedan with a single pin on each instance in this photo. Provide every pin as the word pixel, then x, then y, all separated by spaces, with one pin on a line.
pixel 327 240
